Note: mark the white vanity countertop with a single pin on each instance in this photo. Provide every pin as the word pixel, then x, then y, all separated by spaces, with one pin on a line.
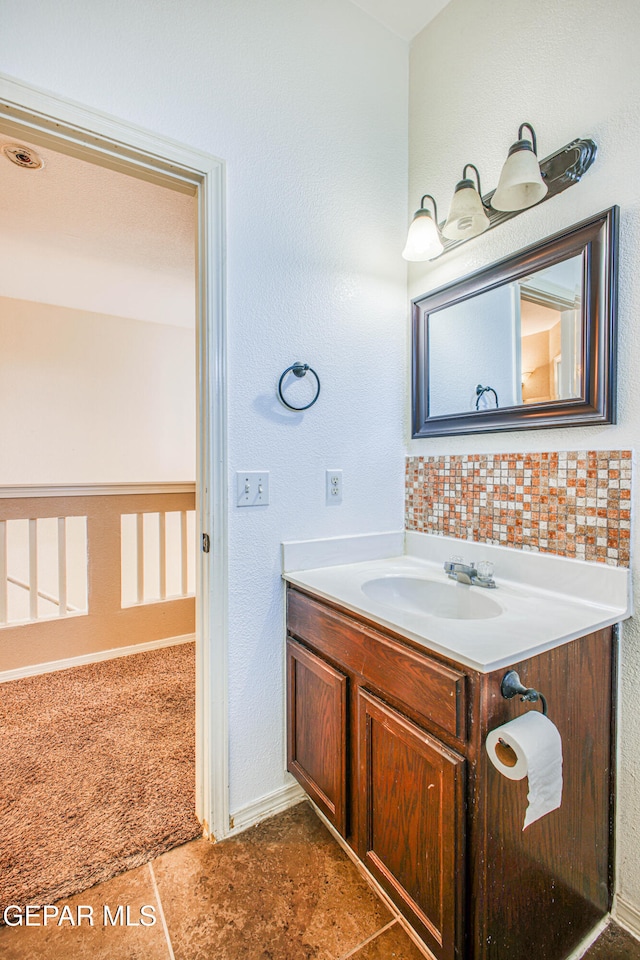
pixel 544 600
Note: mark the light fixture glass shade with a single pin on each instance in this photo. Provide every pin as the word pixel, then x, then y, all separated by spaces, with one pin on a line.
pixel 521 184
pixel 467 217
pixel 423 239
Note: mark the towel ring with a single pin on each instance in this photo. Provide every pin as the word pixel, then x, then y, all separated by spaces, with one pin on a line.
pixel 299 370
pixel 480 391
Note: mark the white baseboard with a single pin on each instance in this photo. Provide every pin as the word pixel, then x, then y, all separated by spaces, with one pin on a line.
pixel 627 915
pixel 590 939
pixel 35 669
pixel 276 802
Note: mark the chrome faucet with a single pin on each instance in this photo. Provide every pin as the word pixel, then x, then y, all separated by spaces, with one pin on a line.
pixel 480 576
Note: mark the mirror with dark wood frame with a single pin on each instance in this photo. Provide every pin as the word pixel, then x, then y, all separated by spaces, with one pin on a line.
pixel 527 342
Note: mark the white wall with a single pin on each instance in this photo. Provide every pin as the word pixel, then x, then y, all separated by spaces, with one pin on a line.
pixel 119 288
pixel 473 342
pixel 306 100
pixel 570 68
pixel 89 398
pixel 86 236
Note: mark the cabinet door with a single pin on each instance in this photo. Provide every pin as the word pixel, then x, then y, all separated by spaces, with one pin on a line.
pixel 317 730
pixel 412 822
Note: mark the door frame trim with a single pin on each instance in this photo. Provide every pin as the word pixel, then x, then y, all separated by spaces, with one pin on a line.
pixel 53 121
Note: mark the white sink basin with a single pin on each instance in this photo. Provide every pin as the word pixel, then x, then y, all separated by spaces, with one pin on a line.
pixel 450 601
pixel 541 601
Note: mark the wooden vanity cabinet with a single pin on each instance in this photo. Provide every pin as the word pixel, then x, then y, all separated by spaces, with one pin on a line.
pixel 388 740
pixel 368 702
pixel 317 731
pixel 410 790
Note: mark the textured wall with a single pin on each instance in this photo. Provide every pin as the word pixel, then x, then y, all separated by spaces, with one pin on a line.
pixel 306 101
pixel 478 71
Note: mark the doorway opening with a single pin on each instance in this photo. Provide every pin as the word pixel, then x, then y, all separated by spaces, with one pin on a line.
pixel 165 528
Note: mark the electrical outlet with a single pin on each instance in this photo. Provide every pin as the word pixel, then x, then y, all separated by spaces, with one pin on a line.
pixel 333 486
pixel 252 488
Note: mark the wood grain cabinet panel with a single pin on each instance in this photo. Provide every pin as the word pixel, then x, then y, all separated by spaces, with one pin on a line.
pixel 433 691
pixel 390 744
pixel 412 831
pixel 317 731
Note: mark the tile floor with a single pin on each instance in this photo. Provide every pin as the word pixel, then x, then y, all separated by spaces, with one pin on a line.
pixel 283 890
pixel 614 944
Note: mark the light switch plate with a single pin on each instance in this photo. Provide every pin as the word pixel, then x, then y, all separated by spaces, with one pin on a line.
pixel 252 488
pixel 333 486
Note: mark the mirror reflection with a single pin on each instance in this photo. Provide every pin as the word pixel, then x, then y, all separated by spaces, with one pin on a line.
pixel 513 345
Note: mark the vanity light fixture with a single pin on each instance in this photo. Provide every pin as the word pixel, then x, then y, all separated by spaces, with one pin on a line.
pixel 467 215
pixel 423 239
pixel 521 184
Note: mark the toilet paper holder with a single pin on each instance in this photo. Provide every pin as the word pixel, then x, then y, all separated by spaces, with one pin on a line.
pixel 511 686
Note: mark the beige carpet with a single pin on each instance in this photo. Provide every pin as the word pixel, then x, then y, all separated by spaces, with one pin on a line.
pixel 97 772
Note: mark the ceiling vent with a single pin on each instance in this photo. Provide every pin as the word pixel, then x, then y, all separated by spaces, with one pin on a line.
pixel 23 156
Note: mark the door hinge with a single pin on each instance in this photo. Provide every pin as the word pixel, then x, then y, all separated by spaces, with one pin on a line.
pixel 206 543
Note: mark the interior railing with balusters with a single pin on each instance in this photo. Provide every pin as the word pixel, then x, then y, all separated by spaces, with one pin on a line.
pixel 94 567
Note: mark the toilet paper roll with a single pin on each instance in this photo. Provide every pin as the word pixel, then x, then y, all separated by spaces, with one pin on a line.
pixel 530 746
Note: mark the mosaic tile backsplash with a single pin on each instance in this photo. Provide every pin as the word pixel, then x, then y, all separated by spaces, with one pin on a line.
pixel 576 503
